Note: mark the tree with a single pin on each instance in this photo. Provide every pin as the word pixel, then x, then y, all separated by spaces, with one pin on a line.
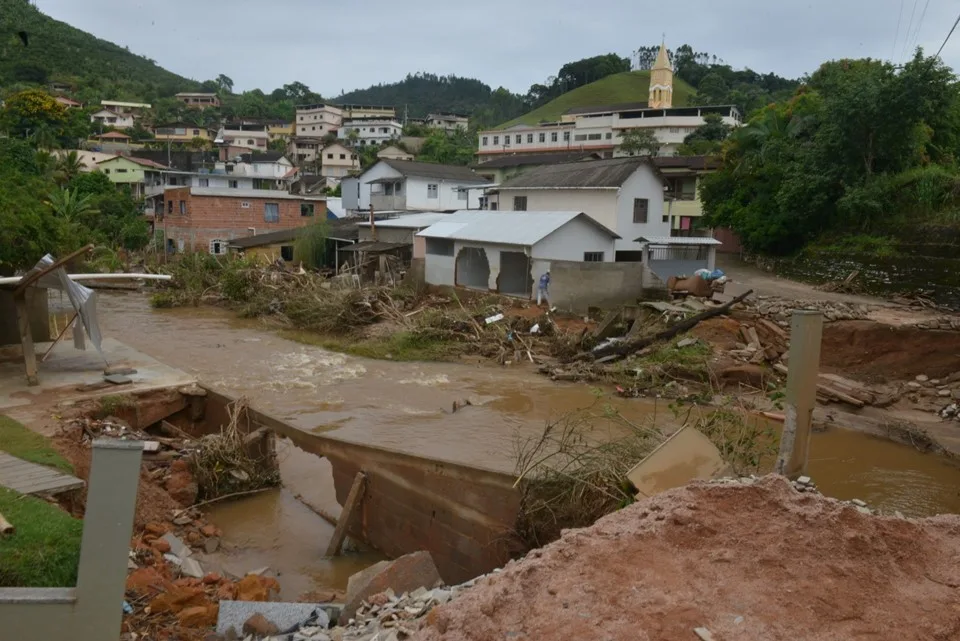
pixel 224 83
pixel 297 91
pixel 639 142
pixel 453 148
pixel 69 167
pixel 278 144
pixel 198 143
pixel 707 139
pixel 70 206
pixel 26 112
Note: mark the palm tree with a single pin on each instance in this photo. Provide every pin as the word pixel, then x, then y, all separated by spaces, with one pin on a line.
pixel 68 167
pixel 69 205
pixel 44 137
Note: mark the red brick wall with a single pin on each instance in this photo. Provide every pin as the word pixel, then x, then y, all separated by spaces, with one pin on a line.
pixel 224 218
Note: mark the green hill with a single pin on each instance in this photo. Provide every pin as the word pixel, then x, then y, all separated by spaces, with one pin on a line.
pixel 57 52
pixel 630 86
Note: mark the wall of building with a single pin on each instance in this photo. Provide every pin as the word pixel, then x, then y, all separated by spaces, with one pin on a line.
pixel 577 286
pixel 388 234
pixel 599 204
pixel 224 218
pixel 644 183
pixel 123 171
pixel 439 270
pixel 350 193
pixel 448 196
pixel 571 241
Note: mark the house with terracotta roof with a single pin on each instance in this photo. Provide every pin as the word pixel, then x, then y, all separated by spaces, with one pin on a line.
pixel 136 173
pixel 68 103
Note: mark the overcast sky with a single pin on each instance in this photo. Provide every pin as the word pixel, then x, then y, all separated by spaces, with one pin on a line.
pixel 351 44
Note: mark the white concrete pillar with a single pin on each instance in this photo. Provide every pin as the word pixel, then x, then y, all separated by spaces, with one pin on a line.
pixel 806 330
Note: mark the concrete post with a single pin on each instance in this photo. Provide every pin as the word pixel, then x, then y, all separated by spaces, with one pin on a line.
pixel 711 257
pixel 806 330
pixel 107 525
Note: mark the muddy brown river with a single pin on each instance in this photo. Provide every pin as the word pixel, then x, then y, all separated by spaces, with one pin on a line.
pixel 407 406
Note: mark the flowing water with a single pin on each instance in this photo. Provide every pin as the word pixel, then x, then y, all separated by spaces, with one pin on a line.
pixel 408 406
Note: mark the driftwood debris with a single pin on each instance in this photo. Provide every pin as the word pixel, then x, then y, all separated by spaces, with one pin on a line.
pixel 629 346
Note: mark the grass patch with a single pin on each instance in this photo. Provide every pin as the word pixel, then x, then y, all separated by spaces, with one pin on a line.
pixel 629 86
pixel 858 244
pixel 113 403
pixel 45 549
pixel 22 442
pixel 399 346
pixel 663 363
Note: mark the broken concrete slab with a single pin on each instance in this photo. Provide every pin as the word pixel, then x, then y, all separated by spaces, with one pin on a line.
pixel 116 379
pixel 211 545
pixel 686 456
pixel 177 547
pixel 285 616
pixel 405 574
pixel 119 371
pixel 191 567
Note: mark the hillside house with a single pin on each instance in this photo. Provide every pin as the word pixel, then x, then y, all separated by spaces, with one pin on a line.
pixel 133 109
pixel 404 185
pixel 88 159
pixel 369 131
pixel 247 138
pixel 108 118
pixel 394 153
pixel 135 173
pixel 681 178
pixel 506 251
pixel 182 132
pixel 68 103
pixel 206 219
pixel 447 121
pixel 281 245
pixel 622 194
pixel 199 100
pixel 338 161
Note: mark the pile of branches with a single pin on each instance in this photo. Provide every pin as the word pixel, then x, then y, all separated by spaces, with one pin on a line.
pixel 574 473
pixel 233 461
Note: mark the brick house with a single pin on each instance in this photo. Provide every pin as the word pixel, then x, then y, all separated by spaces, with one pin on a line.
pixel 205 219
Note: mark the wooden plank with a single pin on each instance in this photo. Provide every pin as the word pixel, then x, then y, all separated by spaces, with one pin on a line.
pixel 26 341
pixel 30 478
pixel 52 487
pixel 351 505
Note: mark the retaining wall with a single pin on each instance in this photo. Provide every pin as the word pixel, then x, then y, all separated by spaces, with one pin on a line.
pixel 576 286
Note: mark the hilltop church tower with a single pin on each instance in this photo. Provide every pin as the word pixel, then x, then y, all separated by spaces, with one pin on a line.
pixel 661 81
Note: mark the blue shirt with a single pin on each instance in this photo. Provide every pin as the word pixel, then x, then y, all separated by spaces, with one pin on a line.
pixel 544 281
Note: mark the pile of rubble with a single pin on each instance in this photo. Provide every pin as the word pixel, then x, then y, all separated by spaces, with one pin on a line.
pixel 780 309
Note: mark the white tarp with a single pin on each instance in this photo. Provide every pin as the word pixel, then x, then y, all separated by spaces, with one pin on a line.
pixel 83 299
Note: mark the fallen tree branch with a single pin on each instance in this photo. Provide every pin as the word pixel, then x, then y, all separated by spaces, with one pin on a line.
pixel 627 347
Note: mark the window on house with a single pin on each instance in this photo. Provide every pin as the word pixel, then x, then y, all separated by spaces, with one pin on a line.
pixel 218 247
pixel 609 135
pixel 496 140
pixel 640 209
pixel 519 203
pixel 306 209
pixel 461 194
pixel 431 191
pixel 169 206
pixel 343 156
pixel 594 137
pixel 204 182
pixel 665 218
pixel 580 137
pixel 674 130
pixel 121 171
pixel 439 247
pixel 183 207
pixel 196 132
pixel 593 257
pixel 566 136
pixel 106 171
pixel 542 138
pixel 519 139
pixel 233 184
pixel 506 141
pixel 493 205
pixel 286 252
pixel 553 136
pixel 244 204
pixel 484 141
pixel 529 137
pixel 330 156
pixel 271 212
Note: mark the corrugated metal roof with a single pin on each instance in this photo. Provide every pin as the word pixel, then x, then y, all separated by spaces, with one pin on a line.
pixel 525 228
pixel 433 170
pixel 678 240
pixel 585 174
pixel 410 221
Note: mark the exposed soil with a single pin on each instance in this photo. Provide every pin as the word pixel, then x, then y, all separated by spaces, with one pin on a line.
pixel 758 562
pixel 878 353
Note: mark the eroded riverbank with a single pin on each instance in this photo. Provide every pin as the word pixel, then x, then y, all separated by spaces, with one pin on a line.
pixel 408 406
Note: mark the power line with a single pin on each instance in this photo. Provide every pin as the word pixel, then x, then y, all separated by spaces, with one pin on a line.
pixel 948 37
pixel 906 39
pixel 896 34
pixel 916 34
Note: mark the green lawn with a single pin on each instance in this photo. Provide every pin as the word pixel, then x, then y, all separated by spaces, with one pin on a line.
pixel 629 86
pixel 44 550
pixel 400 346
pixel 19 441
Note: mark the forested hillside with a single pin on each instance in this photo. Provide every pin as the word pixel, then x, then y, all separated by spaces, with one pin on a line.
pixel 95 68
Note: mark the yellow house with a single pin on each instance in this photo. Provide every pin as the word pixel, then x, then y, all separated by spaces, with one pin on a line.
pixel 182 132
pixel 681 178
pixel 279 130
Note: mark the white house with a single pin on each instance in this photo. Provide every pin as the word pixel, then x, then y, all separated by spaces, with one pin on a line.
pixel 398 185
pixel 252 139
pixel 394 153
pixel 370 131
pixel 623 194
pixel 448 121
pixel 506 251
pixel 402 229
pixel 318 120
pixel 112 119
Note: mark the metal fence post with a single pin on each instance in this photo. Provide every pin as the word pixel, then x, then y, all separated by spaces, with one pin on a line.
pixel 806 330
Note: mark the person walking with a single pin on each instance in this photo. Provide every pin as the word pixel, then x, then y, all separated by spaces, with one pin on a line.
pixel 543 288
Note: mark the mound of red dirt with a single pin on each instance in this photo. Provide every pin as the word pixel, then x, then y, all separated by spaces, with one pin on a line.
pixel 746 562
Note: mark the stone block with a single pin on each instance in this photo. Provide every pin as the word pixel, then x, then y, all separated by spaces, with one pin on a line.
pixel 406 574
pixel 285 616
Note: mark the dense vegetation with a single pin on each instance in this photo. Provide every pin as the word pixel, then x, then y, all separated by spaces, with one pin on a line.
pixel 862 148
